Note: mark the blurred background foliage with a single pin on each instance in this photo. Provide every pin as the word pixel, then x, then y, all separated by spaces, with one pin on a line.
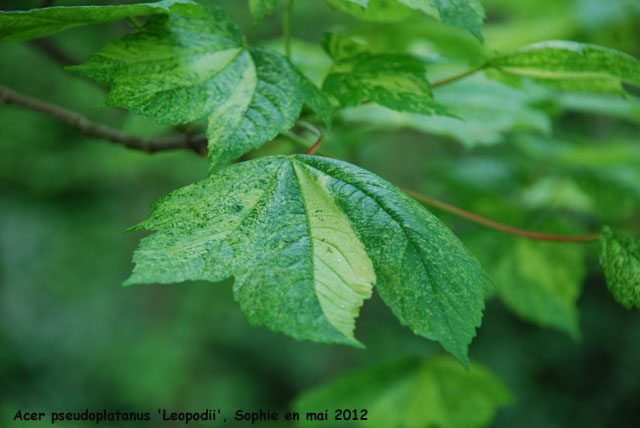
pixel 72 338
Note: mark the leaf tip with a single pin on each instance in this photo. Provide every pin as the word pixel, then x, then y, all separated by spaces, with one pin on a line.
pixel 357 344
pixel 139 226
pixel 128 282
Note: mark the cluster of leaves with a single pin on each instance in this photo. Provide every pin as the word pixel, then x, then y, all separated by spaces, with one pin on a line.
pixel 541 282
pixel 307 238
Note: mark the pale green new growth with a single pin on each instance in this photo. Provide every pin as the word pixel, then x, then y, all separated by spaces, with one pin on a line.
pixel 396 81
pixel 620 260
pixel 182 69
pixel 541 282
pixel 569 65
pixel 465 14
pixel 303 236
pixel 412 394
pixel 30 24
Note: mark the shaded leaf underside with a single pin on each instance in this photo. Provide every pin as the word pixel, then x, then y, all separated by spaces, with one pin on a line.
pixel 29 24
pixel 541 282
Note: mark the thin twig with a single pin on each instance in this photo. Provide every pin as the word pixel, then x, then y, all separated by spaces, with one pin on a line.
pixel 52 50
pixel 457 76
pixel 319 136
pixel 196 143
pixel 450 208
pixel 455 210
pixel 498 226
pixel 135 23
pixel 288 17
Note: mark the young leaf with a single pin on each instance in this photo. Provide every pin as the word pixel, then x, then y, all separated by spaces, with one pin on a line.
pixel 627 108
pixel 487 110
pixel 303 236
pixel 182 69
pixel 411 394
pixel 465 14
pixel 414 36
pixel 310 58
pixel 620 261
pixel 362 3
pixel 30 24
pixel 541 282
pixel 375 10
pixel 569 65
pixel 261 8
pixel 395 81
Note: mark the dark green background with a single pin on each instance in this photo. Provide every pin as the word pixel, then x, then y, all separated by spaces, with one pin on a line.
pixel 71 338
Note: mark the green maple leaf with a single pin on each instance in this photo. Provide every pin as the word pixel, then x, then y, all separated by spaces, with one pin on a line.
pixel 396 81
pixel 412 394
pixel 30 24
pixel 465 14
pixel 306 239
pixel 568 65
pixel 620 260
pixel 182 69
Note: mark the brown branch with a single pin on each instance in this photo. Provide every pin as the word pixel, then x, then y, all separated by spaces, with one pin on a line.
pixel 498 226
pixel 455 210
pixel 196 143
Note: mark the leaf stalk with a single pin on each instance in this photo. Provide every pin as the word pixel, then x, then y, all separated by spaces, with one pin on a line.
pixel 288 17
pixel 496 225
pixel 458 76
pixel 319 136
pixel 135 23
